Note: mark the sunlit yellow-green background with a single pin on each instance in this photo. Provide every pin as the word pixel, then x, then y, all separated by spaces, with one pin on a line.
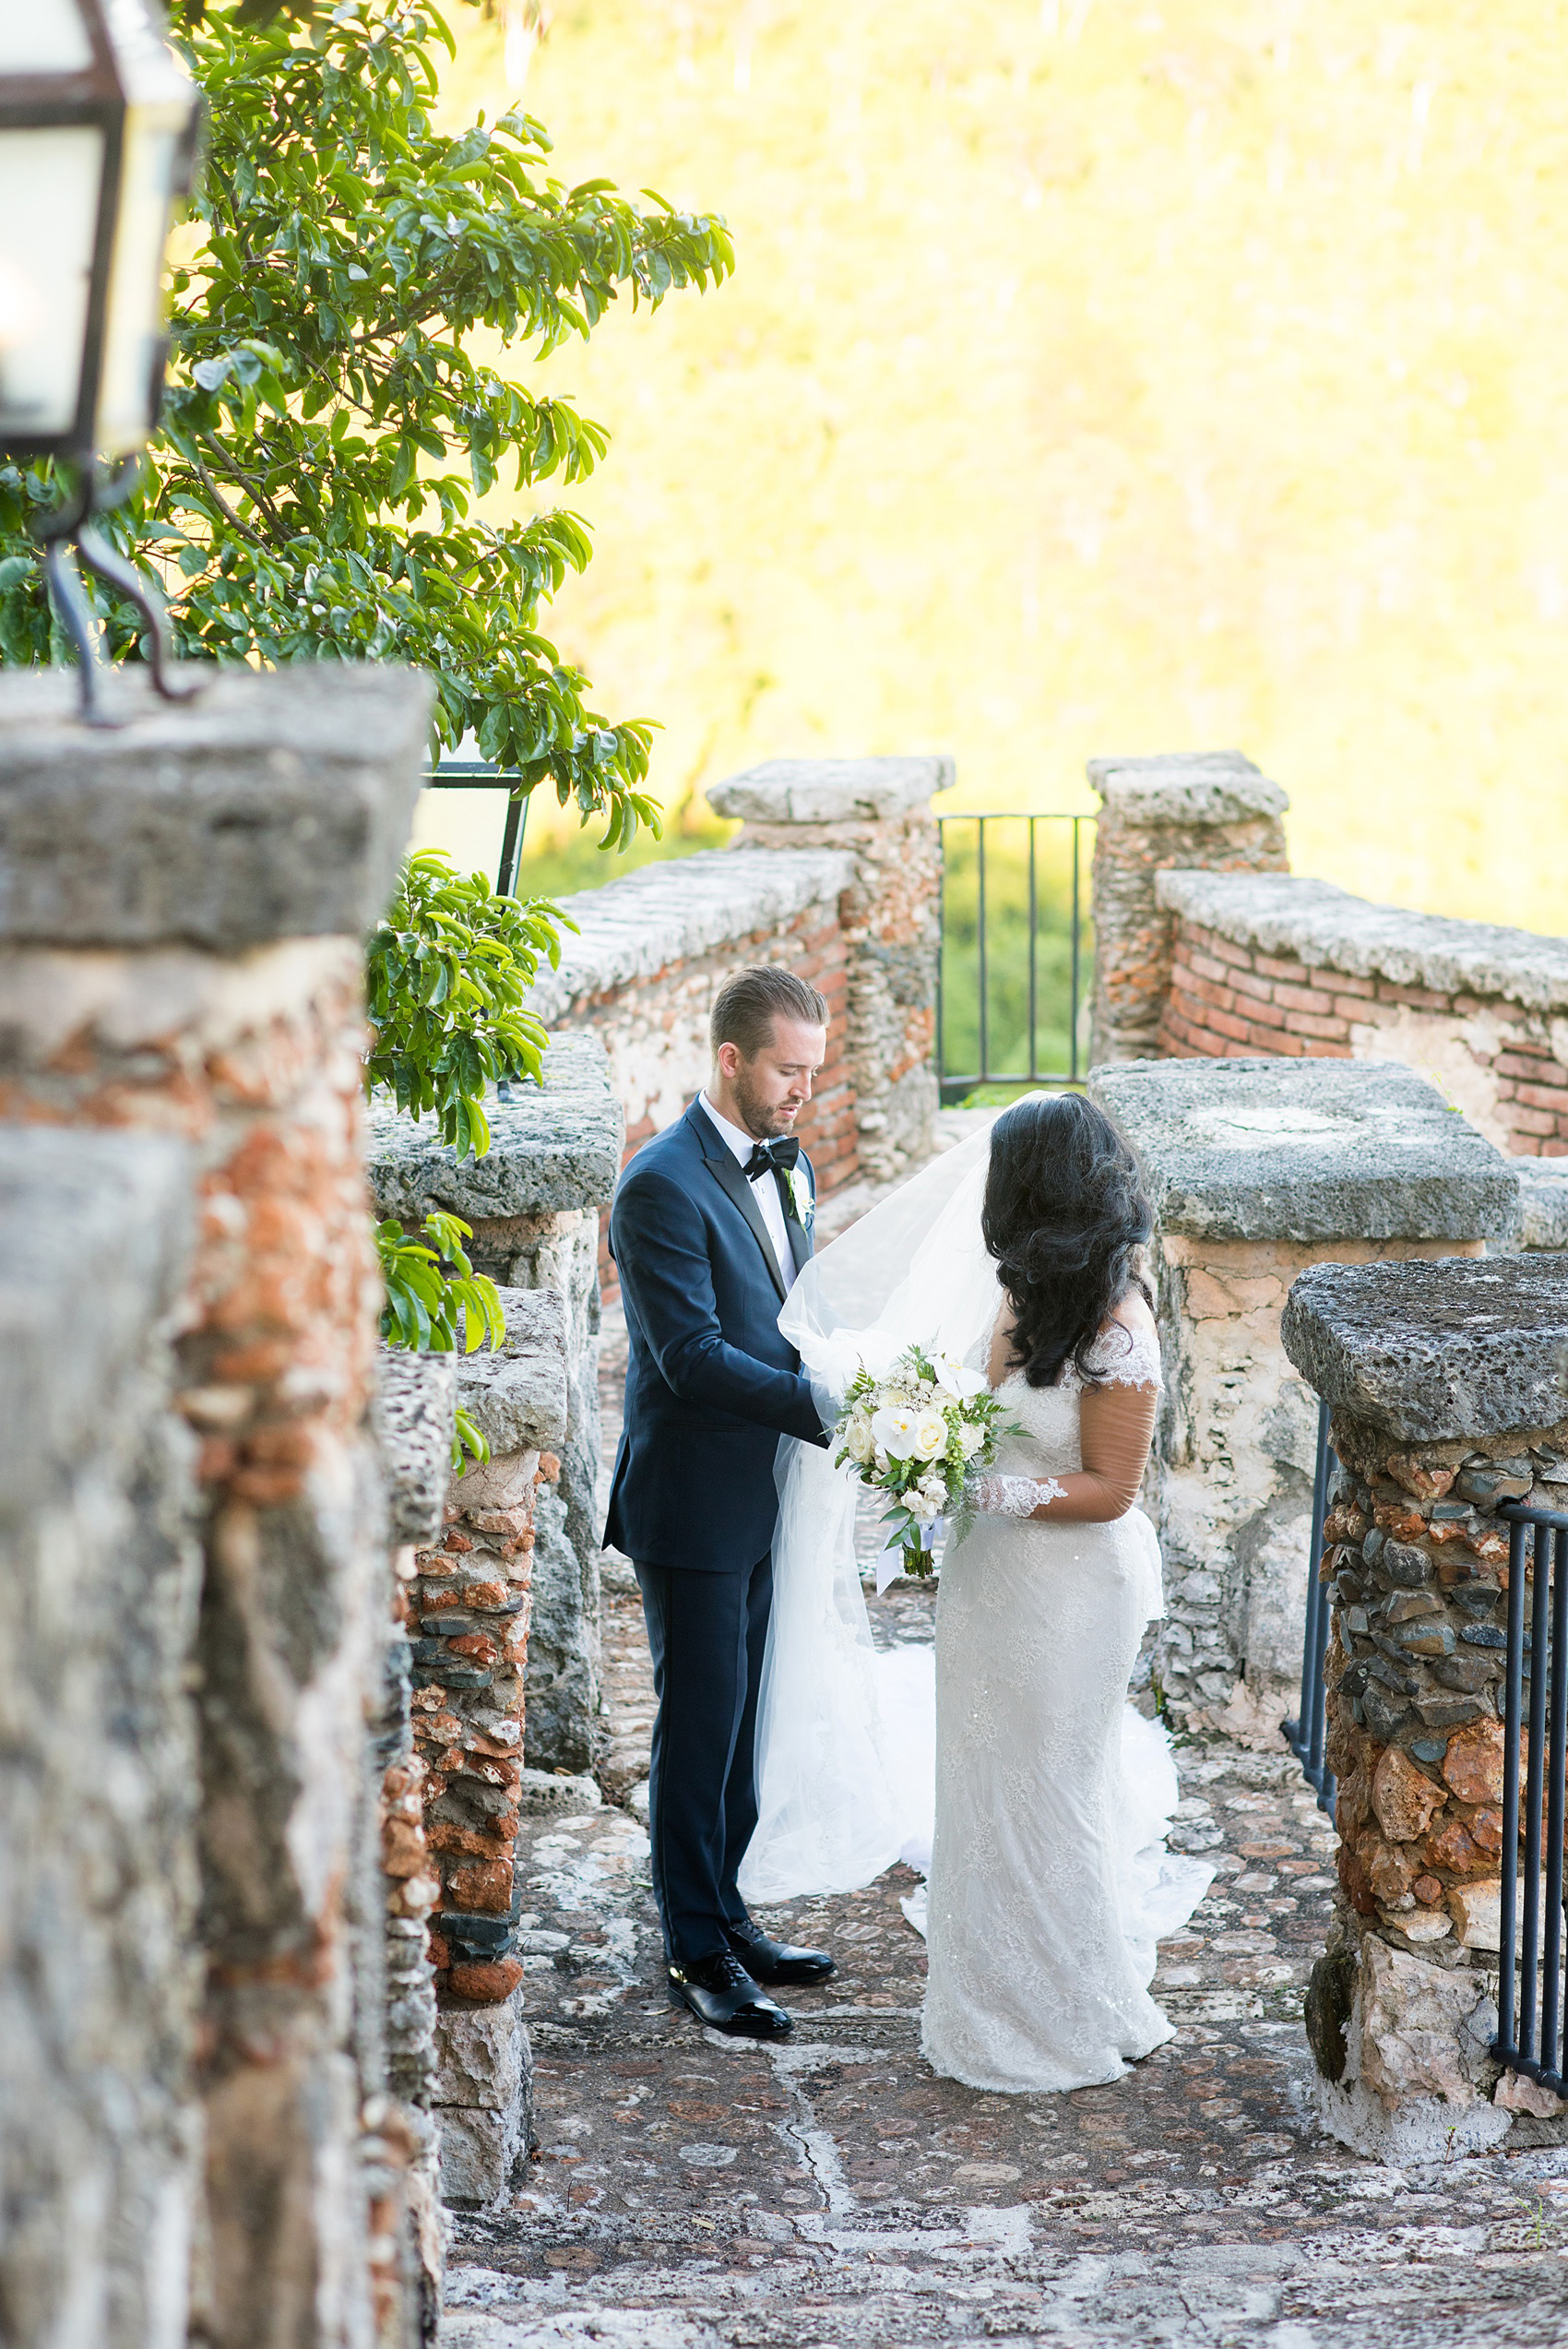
pixel 1096 377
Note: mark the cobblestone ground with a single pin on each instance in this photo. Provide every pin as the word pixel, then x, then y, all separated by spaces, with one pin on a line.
pixel 689 2191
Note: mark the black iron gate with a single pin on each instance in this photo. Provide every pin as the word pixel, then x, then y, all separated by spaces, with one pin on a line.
pixel 1305 1735
pixel 1017 950
pixel 1531 2004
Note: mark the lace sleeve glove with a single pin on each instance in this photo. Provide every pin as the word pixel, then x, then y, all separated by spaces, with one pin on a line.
pixel 996 1496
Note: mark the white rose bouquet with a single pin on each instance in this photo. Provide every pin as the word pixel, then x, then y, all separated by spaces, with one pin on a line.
pixel 918 1434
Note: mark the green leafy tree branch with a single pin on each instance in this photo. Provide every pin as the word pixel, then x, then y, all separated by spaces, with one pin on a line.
pixel 330 425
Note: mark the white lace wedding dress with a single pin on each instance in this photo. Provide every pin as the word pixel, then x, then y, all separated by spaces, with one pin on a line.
pixel 1050 1884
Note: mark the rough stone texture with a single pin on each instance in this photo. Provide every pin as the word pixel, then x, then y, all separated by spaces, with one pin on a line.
pixel 1416 1565
pixel 99 1974
pixel 1210 809
pixel 1259 1170
pixel 876 810
pixel 832 790
pixel 534 1204
pixel 1543 1203
pixel 275 805
pixel 1431 1352
pixel 486 2093
pixel 553 1148
pixel 1300 968
pixel 411 1410
pixel 693 2193
pixel 1277 1150
pixel 209 985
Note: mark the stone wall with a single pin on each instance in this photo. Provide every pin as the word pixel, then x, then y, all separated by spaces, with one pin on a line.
pixel 101 1979
pixel 533 1202
pixel 876 812
pixel 181 951
pixel 1447 1399
pixel 836 872
pixel 1300 968
pixel 1198 809
pixel 1256 1170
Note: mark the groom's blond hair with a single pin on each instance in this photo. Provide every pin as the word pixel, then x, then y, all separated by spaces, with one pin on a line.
pixel 748 1004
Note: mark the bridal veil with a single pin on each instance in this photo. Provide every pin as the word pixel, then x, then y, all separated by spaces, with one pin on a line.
pixel 844 1735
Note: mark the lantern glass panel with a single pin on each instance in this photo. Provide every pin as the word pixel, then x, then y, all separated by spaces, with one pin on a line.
pixel 131 383
pixel 48 195
pixel 42 37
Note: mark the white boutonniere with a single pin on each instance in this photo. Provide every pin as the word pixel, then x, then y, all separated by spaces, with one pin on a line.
pixel 801 1199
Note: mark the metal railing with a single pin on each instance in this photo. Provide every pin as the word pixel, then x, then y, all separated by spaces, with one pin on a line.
pixel 478 774
pixel 969 958
pixel 1305 1735
pixel 1530 2007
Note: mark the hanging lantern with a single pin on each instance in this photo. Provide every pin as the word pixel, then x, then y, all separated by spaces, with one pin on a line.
pixel 98 124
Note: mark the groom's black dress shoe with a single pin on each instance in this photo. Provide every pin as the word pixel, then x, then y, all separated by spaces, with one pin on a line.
pixel 720 1993
pixel 777 1960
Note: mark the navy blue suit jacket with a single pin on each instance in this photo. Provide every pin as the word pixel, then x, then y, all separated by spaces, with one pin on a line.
pixel 711 1382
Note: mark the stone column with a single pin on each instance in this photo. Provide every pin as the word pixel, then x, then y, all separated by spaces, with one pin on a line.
pixel 100 1982
pixel 413 1410
pixel 181 951
pixel 1257 1169
pixel 533 1202
pixel 1446 1392
pixel 1207 809
pixel 879 809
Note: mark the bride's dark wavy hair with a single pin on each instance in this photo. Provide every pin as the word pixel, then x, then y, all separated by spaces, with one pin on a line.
pixel 1065 1215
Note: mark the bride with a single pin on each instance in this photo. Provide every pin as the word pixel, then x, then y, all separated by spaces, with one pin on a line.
pixel 1048 1882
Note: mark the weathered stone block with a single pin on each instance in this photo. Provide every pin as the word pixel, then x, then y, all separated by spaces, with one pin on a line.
pixel 1307 1150
pixel 831 790
pixel 516 1394
pixel 411 1410
pixel 483 2053
pixel 552 1147
pixel 1435 1350
pixel 276 803
pixel 481 2152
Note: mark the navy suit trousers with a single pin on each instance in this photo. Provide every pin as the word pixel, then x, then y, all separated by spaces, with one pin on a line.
pixel 708 1634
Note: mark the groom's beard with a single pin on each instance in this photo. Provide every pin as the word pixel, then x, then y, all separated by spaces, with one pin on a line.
pixel 762 1118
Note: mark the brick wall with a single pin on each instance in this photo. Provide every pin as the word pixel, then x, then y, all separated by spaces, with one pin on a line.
pixel 1228 1002
pixel 1298 969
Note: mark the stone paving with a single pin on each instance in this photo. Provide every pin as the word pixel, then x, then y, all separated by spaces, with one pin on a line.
pixel 689 2191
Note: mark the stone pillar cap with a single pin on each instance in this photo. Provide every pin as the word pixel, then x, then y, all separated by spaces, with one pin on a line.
pixel 275 805
pixel 1307 1149
pixel 1186 787
pixel 552 1147
pixel 1435 1352
pixel 830 791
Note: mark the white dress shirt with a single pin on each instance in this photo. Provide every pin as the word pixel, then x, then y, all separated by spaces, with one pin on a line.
pixel 765 1190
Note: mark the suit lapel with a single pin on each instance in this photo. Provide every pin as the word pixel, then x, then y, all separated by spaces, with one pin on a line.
pixel 800 1241
pixel 725 1170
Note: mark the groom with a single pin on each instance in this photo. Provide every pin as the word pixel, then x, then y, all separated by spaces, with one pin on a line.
pixel 711 1223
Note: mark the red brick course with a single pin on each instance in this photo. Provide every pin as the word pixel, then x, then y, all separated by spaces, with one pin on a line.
pixel 1228 1002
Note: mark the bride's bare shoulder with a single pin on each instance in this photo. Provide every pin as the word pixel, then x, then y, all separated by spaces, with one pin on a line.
pixel 1133 1313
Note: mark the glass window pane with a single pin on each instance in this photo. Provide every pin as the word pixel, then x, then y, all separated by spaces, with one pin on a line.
pixel 49 187
pixel 135 325
pixel 42 37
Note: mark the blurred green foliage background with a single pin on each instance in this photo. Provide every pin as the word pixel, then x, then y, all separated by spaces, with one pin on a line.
pixel 1097 376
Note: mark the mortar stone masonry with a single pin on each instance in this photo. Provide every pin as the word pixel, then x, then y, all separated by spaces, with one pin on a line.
pixel 534 1202
pixel 1402 2008
pixel 99 1578
pixel 1190 809
pixel 1295 967
pixel 1258 1170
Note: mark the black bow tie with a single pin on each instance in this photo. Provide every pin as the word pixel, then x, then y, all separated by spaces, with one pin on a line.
pixel 777 1157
